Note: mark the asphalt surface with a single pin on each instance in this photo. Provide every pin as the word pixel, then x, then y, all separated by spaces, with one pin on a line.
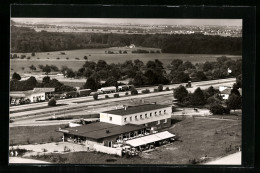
pixel 98 106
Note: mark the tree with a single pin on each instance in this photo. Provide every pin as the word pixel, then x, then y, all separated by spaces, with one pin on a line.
pixel 52 102
pixel 208 66
pixel 235 91
pixel 160 88
pixel 40 66
pixel 176 63
pixel 46 79
pixel 234 101
pixel 239 81
pixel 216 109
pixel 111 81
pixel 95 96
pixel 200 76
pixel 16 76
pixel 197 98
pixel 178 77
pixel 139 79
pixel 134 91
pixel 188 65
pixel 91 83
pixel 70 73
pixel 54 68
pixel 46 69
pixel 211 91
pixel 180 93
pixel 32 67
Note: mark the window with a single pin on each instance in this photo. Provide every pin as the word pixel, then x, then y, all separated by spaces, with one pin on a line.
pixel 141 116
pixel 165 111
pixel 150 114
pixel 158 122
pixel 155 113
pixel 136 117
pixel 145 115
pixel 160 112
pixel 110 118
pixel 125 119
pixel 165 121
pixel 130 118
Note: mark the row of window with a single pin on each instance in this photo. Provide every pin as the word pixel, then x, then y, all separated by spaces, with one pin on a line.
pixel 141 116
pixel 145 116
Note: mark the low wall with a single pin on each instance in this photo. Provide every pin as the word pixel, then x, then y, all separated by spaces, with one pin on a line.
pixel 107 150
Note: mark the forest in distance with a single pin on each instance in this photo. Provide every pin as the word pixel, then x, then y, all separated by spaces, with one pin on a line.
pixel 27 40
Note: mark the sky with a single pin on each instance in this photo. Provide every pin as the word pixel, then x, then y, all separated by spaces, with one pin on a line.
pixel 221 22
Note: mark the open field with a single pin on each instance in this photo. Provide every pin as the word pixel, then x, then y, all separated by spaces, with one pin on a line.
pixel 197 138
pixel 34 134
pixel 50 58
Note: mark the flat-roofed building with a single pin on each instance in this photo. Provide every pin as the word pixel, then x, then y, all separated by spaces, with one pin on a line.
pixel 101 133
pixel 149 115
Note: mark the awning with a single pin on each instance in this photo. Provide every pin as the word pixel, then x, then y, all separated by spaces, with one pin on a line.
pixel 150 139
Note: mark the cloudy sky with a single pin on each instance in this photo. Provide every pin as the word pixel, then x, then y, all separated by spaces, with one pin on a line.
pixel 222 22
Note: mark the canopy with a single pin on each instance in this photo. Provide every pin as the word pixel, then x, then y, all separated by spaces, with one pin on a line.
pixel 150 138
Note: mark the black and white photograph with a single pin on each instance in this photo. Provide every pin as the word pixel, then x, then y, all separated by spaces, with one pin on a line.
pixel 125 91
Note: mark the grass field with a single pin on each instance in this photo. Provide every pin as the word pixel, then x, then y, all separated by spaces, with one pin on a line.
pixel 34 134
pixel 50 58
pixel 197 138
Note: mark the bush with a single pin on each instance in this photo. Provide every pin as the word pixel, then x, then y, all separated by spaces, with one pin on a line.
pixel 155 90
pixel 227 110
pixel 52 102
pixel 134 91
pixel 126 93
pixel 212 100
pixel 160 88
pixel 216 109
pixel 95 96
pixel 145 91
pixel 16 76
pixel 116 95
pixel 167 89
pixel 106 96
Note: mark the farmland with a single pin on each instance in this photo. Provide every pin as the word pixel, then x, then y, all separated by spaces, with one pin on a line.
pixel 68 58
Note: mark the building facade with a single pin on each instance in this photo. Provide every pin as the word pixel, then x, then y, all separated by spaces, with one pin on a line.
pixel 150 115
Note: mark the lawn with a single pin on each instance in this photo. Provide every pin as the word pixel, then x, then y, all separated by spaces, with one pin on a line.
pixel 50 58
pixel 197 138
pixel 34 134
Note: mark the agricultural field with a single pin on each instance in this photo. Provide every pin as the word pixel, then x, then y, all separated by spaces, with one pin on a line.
pixel 68 58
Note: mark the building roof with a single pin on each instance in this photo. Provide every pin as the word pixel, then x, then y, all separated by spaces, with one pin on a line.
pixel 150 138
pixel 228 91
pixel 99 130
pixel 136 109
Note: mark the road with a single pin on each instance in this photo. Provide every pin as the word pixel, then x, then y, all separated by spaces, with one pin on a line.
pixel 233 159
pixel 90 98
pixel 102 105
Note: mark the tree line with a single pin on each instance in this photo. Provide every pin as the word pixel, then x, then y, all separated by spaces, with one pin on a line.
pixel 17 85
pixel 28 40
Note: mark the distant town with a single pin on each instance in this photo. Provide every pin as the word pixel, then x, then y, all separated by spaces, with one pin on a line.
pixel 231 31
